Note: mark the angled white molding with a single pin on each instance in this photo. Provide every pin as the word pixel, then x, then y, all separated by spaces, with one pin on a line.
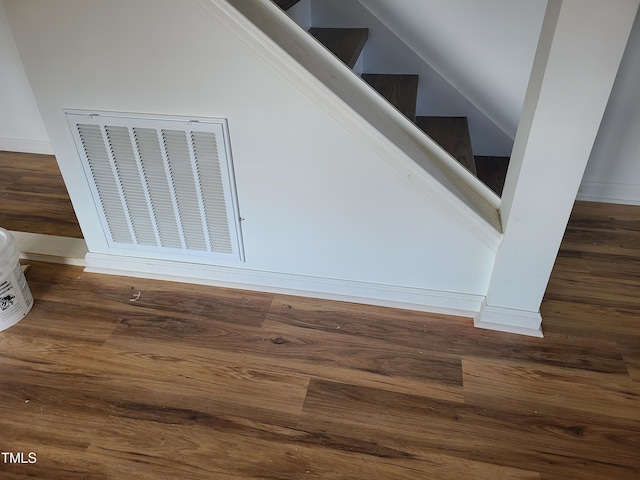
pixel 508 320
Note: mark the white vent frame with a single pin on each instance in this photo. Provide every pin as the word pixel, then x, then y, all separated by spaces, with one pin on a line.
pixel 150 200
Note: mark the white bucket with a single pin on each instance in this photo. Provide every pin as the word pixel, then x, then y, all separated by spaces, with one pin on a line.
pixel 15 296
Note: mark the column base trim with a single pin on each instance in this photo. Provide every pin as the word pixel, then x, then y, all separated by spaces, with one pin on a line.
pixel 509 320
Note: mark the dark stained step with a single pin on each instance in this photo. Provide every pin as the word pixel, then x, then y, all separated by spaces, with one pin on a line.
pixel 493 172
pixel 400 90
pixel 452 134
pixel 344 43
pixel 285 4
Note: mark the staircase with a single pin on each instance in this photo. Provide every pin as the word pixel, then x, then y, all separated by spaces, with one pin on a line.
pixel 401 90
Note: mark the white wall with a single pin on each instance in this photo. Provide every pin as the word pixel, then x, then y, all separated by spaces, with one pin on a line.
pixel 21 128
pixel 613 172
pixel 483 48
pixel 316 200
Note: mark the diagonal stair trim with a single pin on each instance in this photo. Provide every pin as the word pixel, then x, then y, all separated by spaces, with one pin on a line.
pixel 323 78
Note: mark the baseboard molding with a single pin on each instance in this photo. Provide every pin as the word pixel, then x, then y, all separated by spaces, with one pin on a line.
pixel 508 320
pixel 424 300
pixel 51 248
pixel 73 251
pixel 626 194
pixel 26 146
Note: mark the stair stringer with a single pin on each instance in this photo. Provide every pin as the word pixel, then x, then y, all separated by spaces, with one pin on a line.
pixel 331 85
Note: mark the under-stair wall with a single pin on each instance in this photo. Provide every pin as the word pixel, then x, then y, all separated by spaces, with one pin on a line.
pixel 325 210
pixel 406 145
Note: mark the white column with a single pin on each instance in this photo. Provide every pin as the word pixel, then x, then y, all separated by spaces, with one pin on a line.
pixel 578 56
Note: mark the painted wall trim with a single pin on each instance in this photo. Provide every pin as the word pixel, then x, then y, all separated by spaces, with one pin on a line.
pixel 73 251
pixel 51 248
pixel 508 320
pixel 424 300
pixel 627 194
pixel 26 145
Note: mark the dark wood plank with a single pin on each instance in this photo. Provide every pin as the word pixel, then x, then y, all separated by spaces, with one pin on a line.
pixel 452 134
pixel 400 90
pixel 492 171
pixel 28 212
pixel 599 299
pixel 344 43
pixel 428 334
pixel 525 388
pixel 530 443
pixel 34 196
pixel 208 452
pixel 286 4
pixel 290 347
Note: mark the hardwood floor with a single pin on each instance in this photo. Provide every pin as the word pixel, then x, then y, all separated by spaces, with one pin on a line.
pixel 114 377
pixel 34 198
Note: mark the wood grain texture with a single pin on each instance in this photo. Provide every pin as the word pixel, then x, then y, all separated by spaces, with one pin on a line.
pixel 115 377
pixel 399 90
pixel 492 171
pixel 344 43
pixel 452 134
pixel 34 197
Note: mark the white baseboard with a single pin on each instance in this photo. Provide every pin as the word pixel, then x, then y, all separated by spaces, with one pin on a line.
pixel 508 320
pixel 626 194
pixel 73 251
pixel 25 145
pixel 51 248
pixel 288 284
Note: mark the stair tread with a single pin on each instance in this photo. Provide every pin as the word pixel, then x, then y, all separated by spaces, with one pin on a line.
pixel 452 134
pixel 492 171
pixel 286 4
pixel 344 43
pixel 400 90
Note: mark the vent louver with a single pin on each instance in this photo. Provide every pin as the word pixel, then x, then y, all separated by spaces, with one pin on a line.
pixel 161 185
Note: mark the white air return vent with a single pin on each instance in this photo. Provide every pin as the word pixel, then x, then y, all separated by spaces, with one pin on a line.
pixel 161 185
